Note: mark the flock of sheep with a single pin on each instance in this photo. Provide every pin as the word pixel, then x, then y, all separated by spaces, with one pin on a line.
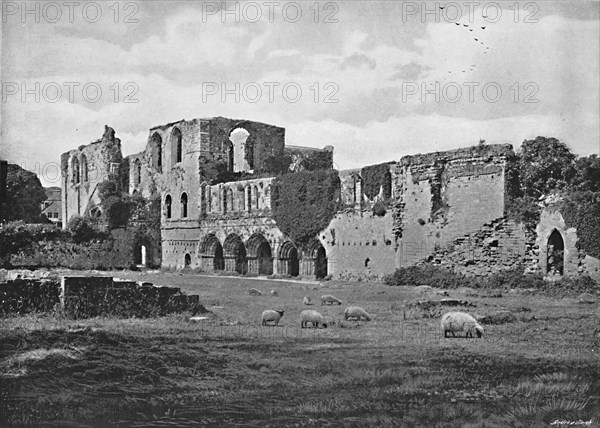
pixel 315 318
pixel 452 323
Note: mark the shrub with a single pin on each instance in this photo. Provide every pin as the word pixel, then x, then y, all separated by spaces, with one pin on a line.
pixel 81 229
pixel 428 274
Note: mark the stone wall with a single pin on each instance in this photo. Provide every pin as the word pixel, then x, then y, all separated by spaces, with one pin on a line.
pixel 83 170
pixel 499 245
pixel 83 297
pixel 359 245
pixel 445 195
pixel 574 261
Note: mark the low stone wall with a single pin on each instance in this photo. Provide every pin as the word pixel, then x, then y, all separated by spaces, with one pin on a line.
pixel 23 296
pixel 84 297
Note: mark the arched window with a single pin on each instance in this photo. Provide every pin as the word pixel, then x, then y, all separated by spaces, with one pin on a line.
pixel 184 203
pixel 187 260
pixel 224 196
pixel 75 170
pixel 84 169
pixel 256 197
pixel 157 151
pixel 242 199
pixel 168 205
pixel 230 199
pixel 176 147
pixel 137 173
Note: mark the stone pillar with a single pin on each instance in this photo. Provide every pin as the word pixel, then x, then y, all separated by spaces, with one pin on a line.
pixel 253 265
pixel 230 264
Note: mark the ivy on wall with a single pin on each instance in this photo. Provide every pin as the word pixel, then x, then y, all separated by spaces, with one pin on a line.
pixel 374 178
pixel 304 203
pixel 582 211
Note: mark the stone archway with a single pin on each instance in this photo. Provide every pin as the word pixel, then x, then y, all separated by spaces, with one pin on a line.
pixel 555 254
pixel 211 253
pixel 288 260
pixel 260 255
pixel 235 254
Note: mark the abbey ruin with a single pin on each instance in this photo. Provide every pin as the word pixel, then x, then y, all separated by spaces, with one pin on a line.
pixel 216 180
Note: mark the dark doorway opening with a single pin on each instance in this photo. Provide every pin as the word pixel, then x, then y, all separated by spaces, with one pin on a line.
pixel 556 254
pixel 218 260
pixel 321 263
pixel 265 259
pixel 293 263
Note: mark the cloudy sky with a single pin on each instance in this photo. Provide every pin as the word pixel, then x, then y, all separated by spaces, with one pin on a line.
pixel 375 79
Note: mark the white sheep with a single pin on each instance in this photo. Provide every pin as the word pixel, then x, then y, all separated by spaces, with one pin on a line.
pixel 461 322
pixel 273 292
pixel 307 300
pixel 313 317
pixel 271 316
pixel 328 299
pixel 356 312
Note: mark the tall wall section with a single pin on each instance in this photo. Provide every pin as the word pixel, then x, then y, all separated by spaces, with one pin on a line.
pixel 444 195
pixel 83 169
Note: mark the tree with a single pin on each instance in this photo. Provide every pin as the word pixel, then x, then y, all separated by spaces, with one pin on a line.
pixel 24 196
pixel 546 164
pixel 587 177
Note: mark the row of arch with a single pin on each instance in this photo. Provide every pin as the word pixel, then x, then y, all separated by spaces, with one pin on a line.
pixel 256 256
pixel 244 198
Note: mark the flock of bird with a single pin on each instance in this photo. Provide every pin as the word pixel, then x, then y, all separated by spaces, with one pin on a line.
pixel 477 39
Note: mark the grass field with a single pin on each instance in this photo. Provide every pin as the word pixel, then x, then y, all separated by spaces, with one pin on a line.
pixel 228 370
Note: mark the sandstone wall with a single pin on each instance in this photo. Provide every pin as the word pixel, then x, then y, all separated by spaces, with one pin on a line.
pixel 83 169
pixel 445 195
pixel 359 245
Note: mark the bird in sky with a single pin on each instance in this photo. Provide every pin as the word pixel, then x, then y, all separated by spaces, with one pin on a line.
pixel 476 40
pixel 483 28
pixel 441 7
pixel 465 25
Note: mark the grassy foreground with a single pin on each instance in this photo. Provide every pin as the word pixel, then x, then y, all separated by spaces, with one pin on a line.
pixel 228 370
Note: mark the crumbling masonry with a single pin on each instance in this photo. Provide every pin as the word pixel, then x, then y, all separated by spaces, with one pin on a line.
pixel 446 208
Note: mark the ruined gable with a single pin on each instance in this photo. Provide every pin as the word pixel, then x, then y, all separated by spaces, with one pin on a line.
pixel 443 195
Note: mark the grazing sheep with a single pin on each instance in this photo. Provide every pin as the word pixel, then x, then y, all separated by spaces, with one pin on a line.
pixel 307 300
pixel 328 299
pixel 255 292
pixel 461 322
pixel 271 316
pixel 356 312
pixel 313 317
pixel 273 293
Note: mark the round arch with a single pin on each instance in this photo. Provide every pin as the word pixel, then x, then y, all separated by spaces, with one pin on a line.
pixel 211 248
pixel 235 254
pixel 289 262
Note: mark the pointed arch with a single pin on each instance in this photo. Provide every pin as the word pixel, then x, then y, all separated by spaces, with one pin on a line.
pixel 176 146
pixel 555 253
pixel 156 148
